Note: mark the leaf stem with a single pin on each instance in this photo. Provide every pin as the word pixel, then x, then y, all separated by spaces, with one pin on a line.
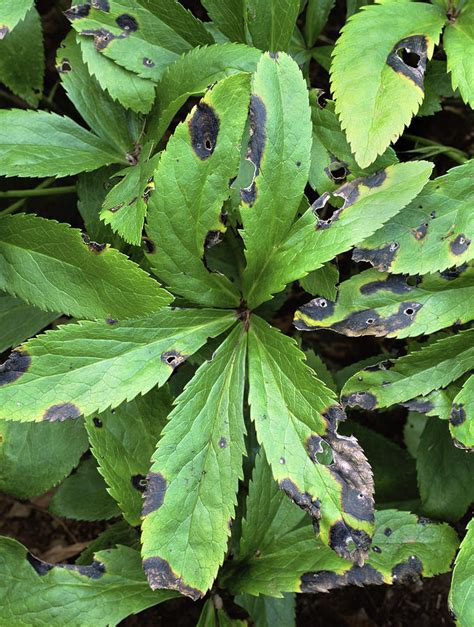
pixel 19 203
pixel 456 155
pixel 37 191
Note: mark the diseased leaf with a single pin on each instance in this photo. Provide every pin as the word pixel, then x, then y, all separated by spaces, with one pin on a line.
pixel 191 185
pixel 461 595
pixel 130 90
pixel 104 592
pixel 37 143
pixel 295 418
pixel 126 203
pixel 376 87
pixel 91 366
pixel 20 321
pixel 116 533
pixel 34 458
pixel 271 24
pixel 380 304
pixel 268 611
pixel 22 56
pixel 192 485
pixel 229 17
pixel 434 232
pixel 279 149
pixel 142 37
pixel 368 203
pixel 418 373
pixel 458 42
pixel 52 266
pixel 461 418
pixel 109 120
pixel 84 496
pixel 12 12
pixel 192 74
pixel 123 441
pixel 444 473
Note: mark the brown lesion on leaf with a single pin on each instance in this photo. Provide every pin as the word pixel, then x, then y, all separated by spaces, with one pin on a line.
pixel 303 500
pixel 92 571
pixel 420 231
pixel 457 415
pixel 256 147
pixel 325 580
pixel 172 358
pixel 15 366
pixel 161 576
pixel 102 37
pixel 397 284
pixel 349 543
pixel 155 493
pixel 420 405
pixel 147 62
pixel 317 309
pixel 453 273
pixel 381 258
pixel 365 400
pixel 222 442
pixel 78 12
pixel 333 415
pixel 127 23
pixel 204 130
pixel 101 5
pixel 64 66
pixel 408 572
pixel 337 171
pixel 370 322
pixel 460 244
pixel 61 412
pixel 94 247
pixel 97 422
pixel 138 482
pixel 148 245
pixel 408 58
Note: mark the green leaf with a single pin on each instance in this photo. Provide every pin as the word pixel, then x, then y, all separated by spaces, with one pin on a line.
pixel 34 458
pixel 192 485
pixel 380 304
pixel 115 533
pixel 322 282
pixel 437 87
pixel 332 161
pixel 376 91
pixel 11 13
pixel 37 143
pixel 418 373
pixel 19 321
pixel 125 206
pixel 107 118
pixel 213 617
pixel 22 57
pixel 102 594
pixel 444 473
pixel 269 612
pixel 129 89
pixel 458 41
pixel 123 441
pixel 88 367
pixel 229 17
pixel 317 13
pixel 461 595
pixel 462 416
pixel 368 203
pixel 52 266
pixel 84 496
pixel 191 185
pixel 432 233
pixel 279 149
pixel 271 24
pixel 192 74
pixel 295 416
pixel 143 37
pixel 281 554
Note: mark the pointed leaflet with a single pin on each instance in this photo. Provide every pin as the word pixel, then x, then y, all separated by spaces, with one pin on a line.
pixel 52 266
pixel 433 232
pixel 19 321
pixel 22 58
pixel 418 373
pixel 191 75
pixel 279 149
pixel 458 42
pixel 380 304
pixel 295 416
pixel 377 92
pixel 280 553
pixel 142 39
pixel 37 143
pixel 444 473
pixel 461 418
pixel 268 611
pixel 88 367
pixel 100 594
pixel 192 484
pixel 191 185
pixel 461 595
pixel 229 17
pixel 107 118
pixel 123 441
pixel 130 90
pixel 271 24
pixel 368 203
pixel 11 13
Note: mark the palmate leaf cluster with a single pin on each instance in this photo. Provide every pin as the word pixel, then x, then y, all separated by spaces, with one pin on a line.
pixel 218 444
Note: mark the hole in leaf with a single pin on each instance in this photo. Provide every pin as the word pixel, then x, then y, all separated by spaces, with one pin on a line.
pixel 409 58
pixel 325 457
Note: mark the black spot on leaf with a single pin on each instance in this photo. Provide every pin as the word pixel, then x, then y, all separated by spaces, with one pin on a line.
pixel 111 321
pixel 77 12
pixel 393 283
pixel 418 404
pixel 313 446
pixel 387 531
pixel 102 37
pixel 148 245
pixel 94 247
pixel 453 273
pixel 369 322
pixel 316 309
pixel 333 415
pixel 61 412
pixel 459 245
pixel 349 543
pixel 127 23
pixel 92 571
pixel 366 400
pixel 204 130
pixel 222 442
pixel 139 482
pixel 325 580
pixel 375 180
pixel 420 231
pixel 376 549
pixel 337 171
pixel 160 575
pixel 64 66
pixel 154 493
pixel 408 58
pixel 408 571
pixel 102 5
pixel 302 499
pixel 148 62
pixel 172 358
pixel 457 415
pixel 257 142
pixel 4 30
pixel 42 568
pixel 17 364
pixel 356 503
pixel 380 258
pixel 97 422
